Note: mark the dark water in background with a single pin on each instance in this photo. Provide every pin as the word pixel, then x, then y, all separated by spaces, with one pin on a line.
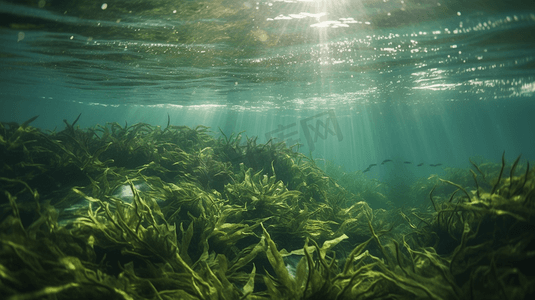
pixel 356 82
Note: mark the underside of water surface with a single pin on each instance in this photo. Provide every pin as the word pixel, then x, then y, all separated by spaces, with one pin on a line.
pixel 271 149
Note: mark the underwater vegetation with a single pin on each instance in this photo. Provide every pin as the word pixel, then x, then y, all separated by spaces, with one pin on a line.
pixel 144 212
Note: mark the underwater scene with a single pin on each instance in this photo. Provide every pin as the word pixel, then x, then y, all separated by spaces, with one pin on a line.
pixel 273 149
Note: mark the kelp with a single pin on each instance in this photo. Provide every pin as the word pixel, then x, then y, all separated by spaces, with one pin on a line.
pixel 484 231
pixel 144 212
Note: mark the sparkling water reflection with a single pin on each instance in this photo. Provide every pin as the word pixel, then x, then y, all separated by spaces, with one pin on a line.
pixel 269 54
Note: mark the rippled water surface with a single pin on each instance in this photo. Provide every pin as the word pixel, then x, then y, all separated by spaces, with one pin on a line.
pixel 268 54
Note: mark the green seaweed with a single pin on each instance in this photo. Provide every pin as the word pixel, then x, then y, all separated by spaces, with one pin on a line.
pixel 141 212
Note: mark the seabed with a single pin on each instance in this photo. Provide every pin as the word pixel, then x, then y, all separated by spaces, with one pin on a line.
pixel 144 212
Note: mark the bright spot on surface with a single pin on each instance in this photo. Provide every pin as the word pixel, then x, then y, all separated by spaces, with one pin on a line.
pixel 528 88
pixel 458 13
pixel 104 6
pixel 282 17
pixel 437 87
pixel 20 36
pixel 41 3
pixel 326 24
pixel 297 16
pixel 348 20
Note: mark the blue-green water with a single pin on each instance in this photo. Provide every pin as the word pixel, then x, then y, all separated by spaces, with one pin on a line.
pixel 356 82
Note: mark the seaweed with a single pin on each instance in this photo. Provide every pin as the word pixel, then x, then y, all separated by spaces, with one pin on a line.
pixel 141 212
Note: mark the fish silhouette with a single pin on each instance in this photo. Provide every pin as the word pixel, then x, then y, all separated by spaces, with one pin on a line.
pixel 369 167
pixel 405 162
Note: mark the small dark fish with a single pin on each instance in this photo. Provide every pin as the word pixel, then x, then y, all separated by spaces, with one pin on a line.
pixel 407 162
pixel 385 161
pixel 372 165
pixel 421 164
pixel 367 169
pixel 435 165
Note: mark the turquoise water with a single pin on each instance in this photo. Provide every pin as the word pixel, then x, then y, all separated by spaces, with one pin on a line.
pixel 355 82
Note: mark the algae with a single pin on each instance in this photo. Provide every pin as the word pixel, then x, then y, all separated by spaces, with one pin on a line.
pixel 144 212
